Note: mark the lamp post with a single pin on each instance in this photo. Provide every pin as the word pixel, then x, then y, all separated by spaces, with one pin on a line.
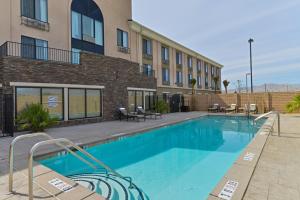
pixel 248 98
pixel 247 74
pixel 250 43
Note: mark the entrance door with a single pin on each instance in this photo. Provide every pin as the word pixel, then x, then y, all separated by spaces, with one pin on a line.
pixel 175 103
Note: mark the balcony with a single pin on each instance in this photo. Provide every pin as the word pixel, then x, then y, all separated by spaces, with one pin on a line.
pixel 124 49
pixel 39 53
pixel 179 84
pixel 166 82
pixel 147 71
pixel 165 62
pixel 147 56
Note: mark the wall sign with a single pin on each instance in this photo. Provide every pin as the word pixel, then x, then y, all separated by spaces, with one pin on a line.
pixel 52 101
pixel 228 190
pixel 59 184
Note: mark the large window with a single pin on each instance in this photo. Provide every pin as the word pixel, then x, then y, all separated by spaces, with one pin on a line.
pixel 165 53
pixel 190 77
pixel 199 65
pixel 178 58
pixel 165 75
pixel 148 70
pixel 50 98
pixel 179 77
pixel 149 101
pixel 190 62
pixel 35 9
pixel 34 48
pixel 147 46
pixel 122 38
pixel 206 68
pixel 84 103
pixel 135 99
pixel 87 26
pixel 199 81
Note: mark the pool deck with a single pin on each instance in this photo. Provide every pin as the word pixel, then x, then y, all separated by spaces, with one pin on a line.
pixel 276 175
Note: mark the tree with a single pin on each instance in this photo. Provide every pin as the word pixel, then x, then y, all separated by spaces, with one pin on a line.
pixel 294 105
pixel 193 82
pixel 216 81
pixel 35 117
pixel 226 83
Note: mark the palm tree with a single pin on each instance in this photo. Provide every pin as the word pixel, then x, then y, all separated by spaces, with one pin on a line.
pixel 226 83
pixel 294 105
pixel 216 80
pixel 193 82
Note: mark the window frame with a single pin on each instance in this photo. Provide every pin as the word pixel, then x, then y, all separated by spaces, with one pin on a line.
pixel 122 38
pixel 34 11
pixel 35 47
pixel 85 103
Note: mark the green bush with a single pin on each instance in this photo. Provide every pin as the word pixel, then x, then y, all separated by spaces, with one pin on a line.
pixel 294 105
pixel 35 117
pixel 161 106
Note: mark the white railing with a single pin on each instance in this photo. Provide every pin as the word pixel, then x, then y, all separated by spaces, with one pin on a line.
pixel 270 113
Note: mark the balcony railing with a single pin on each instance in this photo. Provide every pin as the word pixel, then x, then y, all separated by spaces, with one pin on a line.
pixel 166 82
pixel 147 71
pixel 34 52
pixel 179 84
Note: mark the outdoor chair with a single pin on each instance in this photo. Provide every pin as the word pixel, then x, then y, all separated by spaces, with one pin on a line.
pixel 143 112
pixel 124 113
pixel 232 108
pixel 214 108
pixel 253 108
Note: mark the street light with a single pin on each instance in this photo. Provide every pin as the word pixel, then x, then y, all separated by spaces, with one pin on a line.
pixel 250 42
pixel 247 74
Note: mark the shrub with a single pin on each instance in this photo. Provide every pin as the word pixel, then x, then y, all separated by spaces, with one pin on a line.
pixel 294 105
pixel 161 106
pixel 35 117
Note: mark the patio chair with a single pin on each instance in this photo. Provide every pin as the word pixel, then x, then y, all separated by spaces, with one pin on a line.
pixel 214 108
pixel 232 108
pixel 123 113
pixel 253 108
pixel 143 112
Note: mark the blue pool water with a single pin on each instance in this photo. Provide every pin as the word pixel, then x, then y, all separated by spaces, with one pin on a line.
pixel 182 161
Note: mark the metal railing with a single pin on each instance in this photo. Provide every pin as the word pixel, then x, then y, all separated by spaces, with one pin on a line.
pixel 270 113
pixel 147 71
pixel 35 52
pixel 61 142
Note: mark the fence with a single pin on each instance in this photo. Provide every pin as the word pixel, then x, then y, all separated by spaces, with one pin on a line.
pixel 35 52
pixel 265 101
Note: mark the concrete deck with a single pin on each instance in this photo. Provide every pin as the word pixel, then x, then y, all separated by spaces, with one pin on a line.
pixel 276 175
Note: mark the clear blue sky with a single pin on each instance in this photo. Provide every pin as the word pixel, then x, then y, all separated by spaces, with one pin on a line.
pixel 220 30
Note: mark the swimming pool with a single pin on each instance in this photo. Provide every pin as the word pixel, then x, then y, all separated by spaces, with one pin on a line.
pixel 181 161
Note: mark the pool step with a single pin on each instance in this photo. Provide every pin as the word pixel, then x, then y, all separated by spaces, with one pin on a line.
pixel 109 186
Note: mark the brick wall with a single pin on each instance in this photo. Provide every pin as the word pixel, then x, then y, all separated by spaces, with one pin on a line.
pixel 264 101
pixel 114 73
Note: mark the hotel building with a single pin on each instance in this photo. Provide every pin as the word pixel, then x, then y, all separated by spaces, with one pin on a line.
pixel 83 59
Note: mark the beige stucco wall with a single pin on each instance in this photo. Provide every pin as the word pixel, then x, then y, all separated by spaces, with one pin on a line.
pixel 116 14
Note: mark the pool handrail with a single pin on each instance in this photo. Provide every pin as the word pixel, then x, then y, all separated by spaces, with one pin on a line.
pixel 18 138
pixel 61 141
pixel 270 113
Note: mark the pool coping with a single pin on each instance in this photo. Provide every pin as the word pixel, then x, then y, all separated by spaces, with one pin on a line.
pixel 244 166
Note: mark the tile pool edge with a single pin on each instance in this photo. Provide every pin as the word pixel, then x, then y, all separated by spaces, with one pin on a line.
pixel 241 171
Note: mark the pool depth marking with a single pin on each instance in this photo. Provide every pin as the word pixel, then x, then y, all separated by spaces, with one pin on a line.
pixel 59 184
pixel 228 190
pixel 249 156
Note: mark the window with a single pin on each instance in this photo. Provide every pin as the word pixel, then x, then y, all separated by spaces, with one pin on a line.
pixel 199 81
pixel 206 82
pixel 199 66
pixel 148 70
pixel 27 96
pixel 190 77
pixel 212 71
pixel 179 77
pixel 147 46
pixel 76 56
pixel 190 62
pixel 149 100
pixel 93 102
pixel 50 98
pixel 178 58
pixel 35 9
pixel 84 103
pixel 76 103
pixel 165 75
pixel 34 48
pixel 87 26
pixel 165 53
pixel 206 68
pixel 135 99
pixel 76 25
pixel 122 38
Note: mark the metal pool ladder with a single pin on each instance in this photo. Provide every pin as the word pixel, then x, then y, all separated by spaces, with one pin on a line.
pixel 269 113
pixel 61 142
